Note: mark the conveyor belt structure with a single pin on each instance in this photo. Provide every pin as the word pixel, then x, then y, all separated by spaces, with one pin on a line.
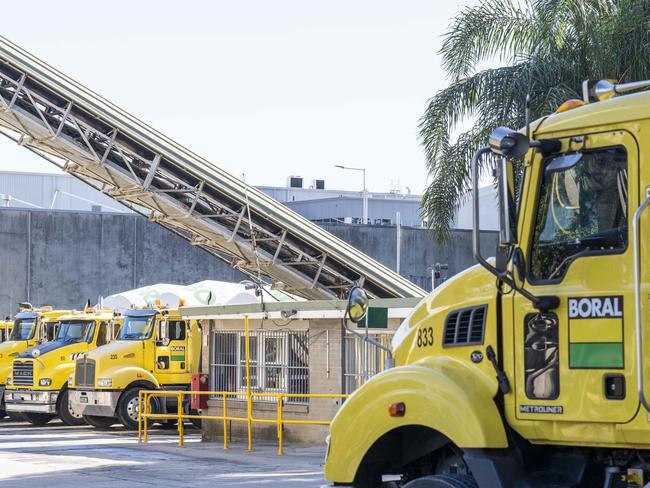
pixel 111 150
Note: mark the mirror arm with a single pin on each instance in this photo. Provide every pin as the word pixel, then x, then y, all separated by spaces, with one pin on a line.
pixel 541 303
pixel 390 362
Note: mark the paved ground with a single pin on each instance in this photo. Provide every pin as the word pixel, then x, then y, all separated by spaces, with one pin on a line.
pixel 58 456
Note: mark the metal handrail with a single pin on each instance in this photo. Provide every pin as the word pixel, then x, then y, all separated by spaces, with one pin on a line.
pixel 144 413
pixel 637 300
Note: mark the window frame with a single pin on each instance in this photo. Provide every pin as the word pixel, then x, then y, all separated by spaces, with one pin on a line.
pixel 586 253
pixel 258 365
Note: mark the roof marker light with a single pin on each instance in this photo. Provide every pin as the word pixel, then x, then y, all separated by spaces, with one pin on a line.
pixel 570 104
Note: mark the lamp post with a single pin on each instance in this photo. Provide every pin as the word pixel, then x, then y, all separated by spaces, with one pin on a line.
pixel 364 192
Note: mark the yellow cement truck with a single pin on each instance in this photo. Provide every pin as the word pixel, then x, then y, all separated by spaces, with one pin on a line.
pixel 531 369
pixel 31 326
pixel 37 388
pixel 155 349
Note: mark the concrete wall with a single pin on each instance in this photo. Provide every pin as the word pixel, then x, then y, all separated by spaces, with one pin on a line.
pixel 419 250
pixel 64 258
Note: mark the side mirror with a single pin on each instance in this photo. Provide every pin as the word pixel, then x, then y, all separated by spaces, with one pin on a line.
pixel 357 304
pixel 507 207
pixel 508 143
pixel 163 331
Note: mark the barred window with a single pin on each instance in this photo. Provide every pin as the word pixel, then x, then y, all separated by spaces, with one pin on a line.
pixel 362 359
pixel 279 362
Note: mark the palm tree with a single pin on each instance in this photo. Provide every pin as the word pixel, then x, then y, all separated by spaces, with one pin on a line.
pixel 546 49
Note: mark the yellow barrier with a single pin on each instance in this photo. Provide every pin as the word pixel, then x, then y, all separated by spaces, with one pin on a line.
pixel 145 396
pixel 144 414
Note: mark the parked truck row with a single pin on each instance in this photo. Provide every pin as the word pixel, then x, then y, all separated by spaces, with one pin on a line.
pixel 88 366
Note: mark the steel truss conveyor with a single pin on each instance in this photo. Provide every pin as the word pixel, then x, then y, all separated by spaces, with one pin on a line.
pixel 106 147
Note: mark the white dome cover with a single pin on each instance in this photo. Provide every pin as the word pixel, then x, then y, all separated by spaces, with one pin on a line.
pixel 206 292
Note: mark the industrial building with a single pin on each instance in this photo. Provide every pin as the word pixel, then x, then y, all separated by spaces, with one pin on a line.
pixel 60 191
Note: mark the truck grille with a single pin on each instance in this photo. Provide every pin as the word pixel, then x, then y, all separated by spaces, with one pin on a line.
pixel 465 326
pixel 23 373
pixel 84 373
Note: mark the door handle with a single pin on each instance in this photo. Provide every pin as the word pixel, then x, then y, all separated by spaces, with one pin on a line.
pixel 637 300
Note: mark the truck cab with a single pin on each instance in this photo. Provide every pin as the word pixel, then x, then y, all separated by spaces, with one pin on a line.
pixel 155 349
pixel 31 326
pixel 38 385
pixel 528 369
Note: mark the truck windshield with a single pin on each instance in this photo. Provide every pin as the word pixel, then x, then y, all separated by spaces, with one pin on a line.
pixel 136 328
pixel 76 331
pixel 24 329
pixel 582 210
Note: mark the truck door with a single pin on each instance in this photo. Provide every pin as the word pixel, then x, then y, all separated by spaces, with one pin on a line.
pixel 577 362
pixel 171 351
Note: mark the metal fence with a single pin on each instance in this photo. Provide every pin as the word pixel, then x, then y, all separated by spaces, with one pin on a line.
pixel 279 362
pixel 362 360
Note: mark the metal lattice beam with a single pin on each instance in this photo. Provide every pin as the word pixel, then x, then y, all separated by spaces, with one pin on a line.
pixel 107 148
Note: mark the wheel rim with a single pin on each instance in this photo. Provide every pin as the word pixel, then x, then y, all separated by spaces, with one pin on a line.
pixel 133 408
pixel 72 412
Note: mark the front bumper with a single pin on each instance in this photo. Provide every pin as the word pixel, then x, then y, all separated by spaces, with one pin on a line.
pixel 30 401
pixel 94 402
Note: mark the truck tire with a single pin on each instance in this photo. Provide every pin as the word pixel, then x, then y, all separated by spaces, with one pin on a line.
pixel 38 419
pixel 66 414
pixel 128 408
pixel 16 416
pixel 443 481
pixel 101 423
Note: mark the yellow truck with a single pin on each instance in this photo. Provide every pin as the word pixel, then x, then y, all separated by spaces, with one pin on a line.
pixel 38 386
pixel 32 326
pixel 155 349
pixel 529 369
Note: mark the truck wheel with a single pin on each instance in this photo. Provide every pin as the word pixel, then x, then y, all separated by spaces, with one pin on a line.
pixel 65 411
pixel 101 423
pixel 128 408
pixel 38 419
pixel 16 416
pixel 443 481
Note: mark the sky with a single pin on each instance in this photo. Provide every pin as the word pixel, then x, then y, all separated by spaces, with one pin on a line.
pixel 262 88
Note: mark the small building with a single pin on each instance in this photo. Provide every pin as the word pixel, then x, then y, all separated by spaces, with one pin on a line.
pixel 294 348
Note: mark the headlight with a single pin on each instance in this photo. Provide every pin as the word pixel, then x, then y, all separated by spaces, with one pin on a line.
pixel 9 380
pixel 70 381
pixel 45 382
pixel 105 382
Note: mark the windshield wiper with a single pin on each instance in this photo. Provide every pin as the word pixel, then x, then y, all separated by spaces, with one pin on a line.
pixel 566 261
pixel 608 238
pixel 131 336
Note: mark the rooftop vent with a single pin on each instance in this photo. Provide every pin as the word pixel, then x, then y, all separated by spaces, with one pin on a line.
pixel 294 182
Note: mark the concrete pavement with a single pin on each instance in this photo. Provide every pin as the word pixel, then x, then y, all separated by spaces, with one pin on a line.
pixel 59 456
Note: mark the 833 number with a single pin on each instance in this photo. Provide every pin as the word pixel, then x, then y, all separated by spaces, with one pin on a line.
pixel 425 337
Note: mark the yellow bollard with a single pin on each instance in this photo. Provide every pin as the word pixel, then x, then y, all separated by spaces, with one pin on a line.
pixel 249 400
pixel 280 430
pixel 181 427
pixel 225 422
pixel 139 416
